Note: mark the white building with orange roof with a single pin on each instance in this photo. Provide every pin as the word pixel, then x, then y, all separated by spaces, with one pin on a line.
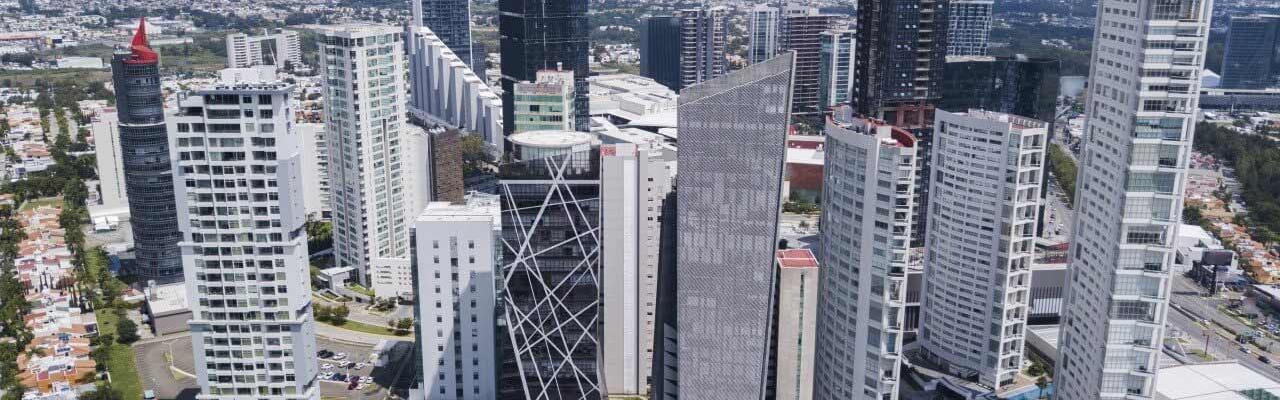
pixel 797 310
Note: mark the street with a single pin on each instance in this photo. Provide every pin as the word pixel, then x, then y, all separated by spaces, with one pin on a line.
pixel 1187 304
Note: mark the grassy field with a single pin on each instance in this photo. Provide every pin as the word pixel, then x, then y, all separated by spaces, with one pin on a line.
pixel 49 201
pixel 366 328
pixel 123 367
pixel 28 79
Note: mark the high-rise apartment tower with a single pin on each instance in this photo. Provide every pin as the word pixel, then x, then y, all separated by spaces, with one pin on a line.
pixel 987 173
pixel 1132 174
pixel 365 107
pixel 244 247
pixel 869 184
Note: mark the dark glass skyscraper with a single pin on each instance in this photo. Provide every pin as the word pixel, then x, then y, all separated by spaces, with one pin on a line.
pixel 1017 85
pixel 550 278
pixel 543 34
pixel 660 50
pixel 1252 57
pixel 901 49
pixel 801 31
pixel 733 133
pixel 144 150
pixel 451 21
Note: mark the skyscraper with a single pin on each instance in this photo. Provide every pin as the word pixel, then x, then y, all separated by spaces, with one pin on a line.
pixel 889 31
pixel 899 64
pixel 455 263
pixel 1136 150
pixel 987 173
pixel 451 22
pixel 1017 85
pixel 763 33
pixel 660 50
pixel 733 132
pixel 244 249
pixel 1252 57
pixel 635 180
pixel 969 27
pixel 869 183
pixel 537 35
pixel 546 103
pixel 551 266
pixel 144 150
pixel 835 76
pixel 365 105
pixel 801 31
pixel 703 37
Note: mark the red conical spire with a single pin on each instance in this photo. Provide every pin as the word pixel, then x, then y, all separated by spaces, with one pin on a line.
pixel 141 52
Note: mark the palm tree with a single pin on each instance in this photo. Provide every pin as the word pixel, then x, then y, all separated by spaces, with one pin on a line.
pixel 1042 382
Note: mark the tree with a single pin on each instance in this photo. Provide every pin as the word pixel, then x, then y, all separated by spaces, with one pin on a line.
pixel 404 325
pixel 475 155
pixel 1042 383
pixel 1192 215
pixel 128 331
pixel 103 392
pixel 323 313
pixel 340 314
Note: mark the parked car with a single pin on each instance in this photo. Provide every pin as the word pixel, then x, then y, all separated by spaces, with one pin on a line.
pixel 149 395
pixel 324 353
pixel 340 356
pixel 1264 359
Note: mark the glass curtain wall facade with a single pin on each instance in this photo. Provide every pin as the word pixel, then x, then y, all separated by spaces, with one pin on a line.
pixel 538 35
pixel 144 151
pixel 550 201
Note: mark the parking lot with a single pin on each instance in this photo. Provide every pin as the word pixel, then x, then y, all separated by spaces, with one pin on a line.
pixel 166 365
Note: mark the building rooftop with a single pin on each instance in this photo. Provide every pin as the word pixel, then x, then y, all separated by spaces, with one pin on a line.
pixel 167 299
pixel 551 139
pixel 797 258
pixel 479 207
pixel 1216 381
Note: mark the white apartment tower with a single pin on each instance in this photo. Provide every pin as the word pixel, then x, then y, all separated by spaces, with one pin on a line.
pixel 985 200
pixel 237 178
pixel 455 258
pixel 635 180
pixel 868 190
pixel 364 95
pixel 1141 104
pixel 282 46
pixel 763 33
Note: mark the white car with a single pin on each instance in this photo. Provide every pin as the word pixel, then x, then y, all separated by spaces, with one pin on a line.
pixel 360 366
pixel 340 356
pixel 366 379
pixel 362 386
pixel 326 366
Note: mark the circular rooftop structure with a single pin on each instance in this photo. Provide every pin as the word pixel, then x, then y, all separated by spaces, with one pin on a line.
pixel 550 139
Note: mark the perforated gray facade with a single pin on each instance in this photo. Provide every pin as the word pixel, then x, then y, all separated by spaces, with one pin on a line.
pixel 733 132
